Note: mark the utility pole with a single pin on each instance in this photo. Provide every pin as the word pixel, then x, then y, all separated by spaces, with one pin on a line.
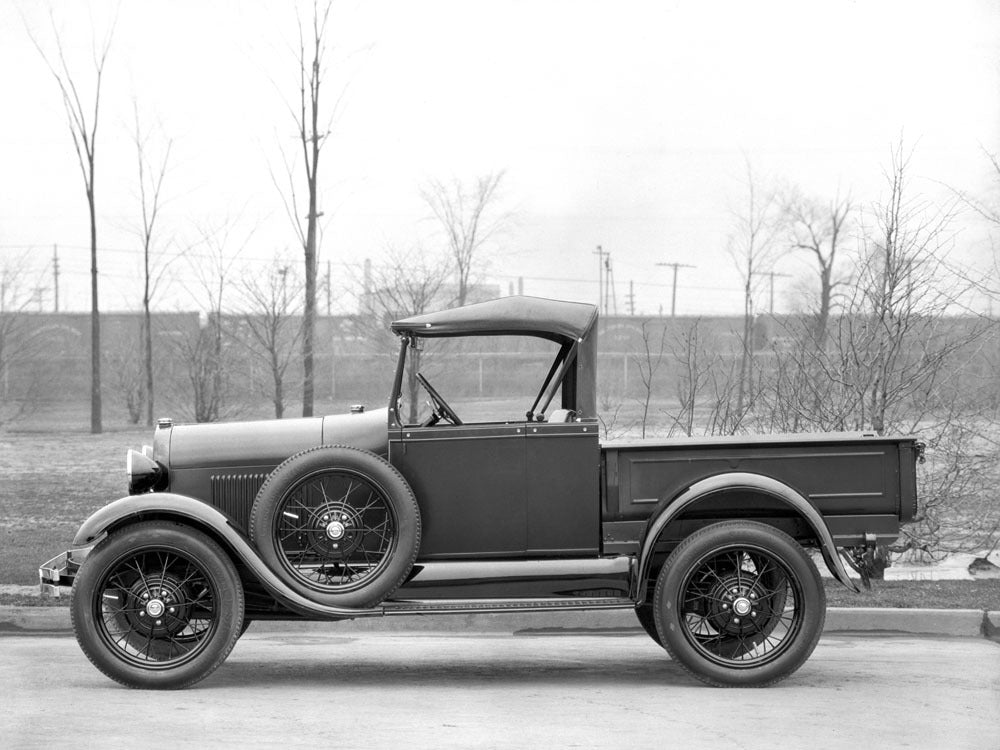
pixel 55 274
pixel 771 275
pixel 673 293
pixel 609 286
pixel 631 297
pixel 601 303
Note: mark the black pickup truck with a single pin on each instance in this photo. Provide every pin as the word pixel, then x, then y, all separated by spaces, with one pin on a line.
pixel 401 512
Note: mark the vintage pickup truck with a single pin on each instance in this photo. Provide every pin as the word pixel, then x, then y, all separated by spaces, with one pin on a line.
pixel 393 512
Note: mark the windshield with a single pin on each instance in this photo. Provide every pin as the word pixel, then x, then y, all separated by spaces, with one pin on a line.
pixel 483 378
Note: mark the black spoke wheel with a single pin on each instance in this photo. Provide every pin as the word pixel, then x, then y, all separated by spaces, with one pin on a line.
pixel 339 525
pixel 157 605
pixel 739 604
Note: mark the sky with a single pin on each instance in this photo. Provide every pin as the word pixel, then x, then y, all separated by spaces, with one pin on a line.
pixel 624 125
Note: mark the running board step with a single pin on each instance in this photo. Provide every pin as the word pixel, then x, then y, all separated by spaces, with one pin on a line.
pixel 477 606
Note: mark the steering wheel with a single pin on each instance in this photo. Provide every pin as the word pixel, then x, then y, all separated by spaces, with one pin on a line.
pixel 441 408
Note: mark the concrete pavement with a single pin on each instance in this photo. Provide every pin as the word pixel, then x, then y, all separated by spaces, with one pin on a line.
pixel 422 690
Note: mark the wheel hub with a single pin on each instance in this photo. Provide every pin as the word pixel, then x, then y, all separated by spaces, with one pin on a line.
pixel 157 606
pixel 335 532
pixel 734 605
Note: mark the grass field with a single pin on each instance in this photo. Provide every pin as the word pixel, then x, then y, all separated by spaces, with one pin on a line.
pixel 49 483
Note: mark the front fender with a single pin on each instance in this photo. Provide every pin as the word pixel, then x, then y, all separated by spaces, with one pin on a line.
pixel 744 481
pixel 168 505
pixel 151 504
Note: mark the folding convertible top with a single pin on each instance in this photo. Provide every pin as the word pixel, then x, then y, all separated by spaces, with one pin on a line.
pixel 530 316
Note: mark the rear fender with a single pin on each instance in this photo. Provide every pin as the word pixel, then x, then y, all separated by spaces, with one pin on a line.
pixel 741 481
pixel 197 514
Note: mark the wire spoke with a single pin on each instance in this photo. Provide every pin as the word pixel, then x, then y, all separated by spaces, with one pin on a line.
pixel 713 627
pixel 329 562
pixel 124 622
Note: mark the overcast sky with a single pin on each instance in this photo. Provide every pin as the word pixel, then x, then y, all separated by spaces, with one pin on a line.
pixel 623 125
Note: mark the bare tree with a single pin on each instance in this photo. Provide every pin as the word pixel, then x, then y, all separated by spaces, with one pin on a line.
pixel 150 179
pixel 819 229
pixel 987 208
pixel 19 343
pixel 696 364
pixel 609 414
pixel 271 327
pixel 648 362
pixel 83 121
pixel 900 332
pixel 204 355
pixel 796 389
pixel 409 283
pixel 752 245
pixel 127 374
pixel 468 218
pixel 312 130
pixel 730 406
pixel 957 510
pixel 899 359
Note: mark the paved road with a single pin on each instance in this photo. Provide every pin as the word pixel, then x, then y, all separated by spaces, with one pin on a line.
pixel 425 690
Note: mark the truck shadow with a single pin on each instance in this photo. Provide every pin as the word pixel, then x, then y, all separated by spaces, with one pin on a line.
pixel 330 662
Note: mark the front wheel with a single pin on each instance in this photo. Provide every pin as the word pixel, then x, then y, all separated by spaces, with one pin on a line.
pixel 157 605
pixel 739 604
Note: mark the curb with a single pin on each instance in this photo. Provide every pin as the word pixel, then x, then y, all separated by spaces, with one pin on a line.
pixel 967 623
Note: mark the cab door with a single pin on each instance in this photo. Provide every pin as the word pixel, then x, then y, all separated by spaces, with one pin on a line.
pixel 470 481
pixel 563 486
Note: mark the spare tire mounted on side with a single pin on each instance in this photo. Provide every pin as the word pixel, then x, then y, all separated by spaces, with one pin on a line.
pixel 339 525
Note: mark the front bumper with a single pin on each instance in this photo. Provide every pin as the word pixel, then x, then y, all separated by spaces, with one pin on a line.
pixel 59 572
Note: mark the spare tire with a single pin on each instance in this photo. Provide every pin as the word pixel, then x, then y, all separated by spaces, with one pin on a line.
pixel 339 525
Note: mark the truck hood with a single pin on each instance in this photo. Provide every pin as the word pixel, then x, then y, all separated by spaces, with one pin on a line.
pixel 267 442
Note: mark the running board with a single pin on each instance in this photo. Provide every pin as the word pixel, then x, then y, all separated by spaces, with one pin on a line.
pixel 482 606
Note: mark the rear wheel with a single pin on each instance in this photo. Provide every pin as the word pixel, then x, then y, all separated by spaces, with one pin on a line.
pixel 739 604
pixel 157 605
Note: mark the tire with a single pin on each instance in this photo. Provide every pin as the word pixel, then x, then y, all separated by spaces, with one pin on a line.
pixel 739 604
pixel 646 616
pixel 157 605
pixel 338 525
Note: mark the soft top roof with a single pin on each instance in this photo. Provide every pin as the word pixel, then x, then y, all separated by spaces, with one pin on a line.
pixel 532 316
